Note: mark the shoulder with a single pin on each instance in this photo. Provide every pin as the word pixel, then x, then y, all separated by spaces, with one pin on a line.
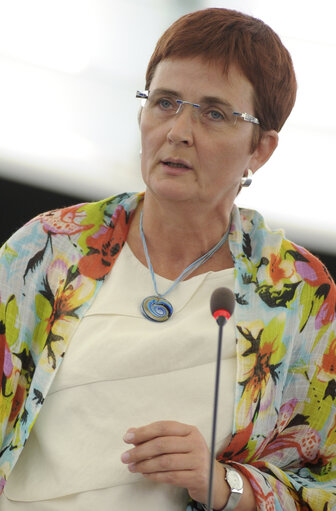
pixel 63 231
pixel 252 223
pixel 274 243
pixel 306 265
pixel 280 270
pixel 69 222
pixel 252 240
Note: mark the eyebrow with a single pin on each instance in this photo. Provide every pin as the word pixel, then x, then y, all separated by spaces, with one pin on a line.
pixel 204 99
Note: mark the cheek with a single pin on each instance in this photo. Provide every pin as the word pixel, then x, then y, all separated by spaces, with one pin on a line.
pixel 225 165
pixel 150 138
pixel 150 145
pixel 229 157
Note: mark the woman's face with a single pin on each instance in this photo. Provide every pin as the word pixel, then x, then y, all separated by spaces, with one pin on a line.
pixel 214 159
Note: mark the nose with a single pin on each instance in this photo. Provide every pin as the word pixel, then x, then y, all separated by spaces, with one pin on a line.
pixel 181 129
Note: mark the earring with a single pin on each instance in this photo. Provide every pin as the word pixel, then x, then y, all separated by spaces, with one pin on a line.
pixel 247 180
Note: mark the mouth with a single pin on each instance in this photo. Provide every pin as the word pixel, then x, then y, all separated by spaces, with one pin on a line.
pixel 176 164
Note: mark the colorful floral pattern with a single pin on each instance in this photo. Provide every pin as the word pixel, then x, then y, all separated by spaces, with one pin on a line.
pixel 64 221
pixel 263 352
pixel 284 431
pixel 64 291
pixel 104 246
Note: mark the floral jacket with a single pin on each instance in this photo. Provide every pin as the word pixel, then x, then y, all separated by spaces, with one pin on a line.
pixel 284 430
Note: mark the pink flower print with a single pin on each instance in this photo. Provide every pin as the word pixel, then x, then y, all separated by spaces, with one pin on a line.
pixel 286 414
pixel 304 440
pixel 309 268
pixel 65 221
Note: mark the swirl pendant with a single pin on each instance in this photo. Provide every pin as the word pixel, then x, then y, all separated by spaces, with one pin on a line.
pixel 156 308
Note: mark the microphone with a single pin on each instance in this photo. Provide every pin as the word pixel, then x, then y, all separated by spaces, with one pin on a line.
pixel 222 305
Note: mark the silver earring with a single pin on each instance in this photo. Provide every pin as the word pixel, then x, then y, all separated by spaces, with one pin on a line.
pixel 247 180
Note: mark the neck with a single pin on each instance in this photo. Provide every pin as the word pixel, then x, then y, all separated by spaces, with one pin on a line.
pixel 183 227
pixel 178 234
pixel 191 268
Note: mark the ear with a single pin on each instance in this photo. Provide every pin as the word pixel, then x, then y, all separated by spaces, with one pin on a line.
pixel 264 150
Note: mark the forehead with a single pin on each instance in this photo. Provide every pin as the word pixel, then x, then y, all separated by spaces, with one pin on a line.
pixel 193 78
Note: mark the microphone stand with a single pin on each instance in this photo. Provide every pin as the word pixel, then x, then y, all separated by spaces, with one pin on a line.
pixel 221 320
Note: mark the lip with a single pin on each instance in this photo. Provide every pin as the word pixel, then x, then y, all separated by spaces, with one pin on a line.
pixel 180 161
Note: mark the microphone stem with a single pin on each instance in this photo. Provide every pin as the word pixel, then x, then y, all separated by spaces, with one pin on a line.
pixel 221 322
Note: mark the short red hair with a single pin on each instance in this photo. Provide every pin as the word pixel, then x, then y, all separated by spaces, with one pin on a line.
pixel 230 37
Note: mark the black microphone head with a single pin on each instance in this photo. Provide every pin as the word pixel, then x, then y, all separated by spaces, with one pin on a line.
pixel 222 299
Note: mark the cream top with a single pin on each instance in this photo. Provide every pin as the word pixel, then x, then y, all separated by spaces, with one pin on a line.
pixel 122 370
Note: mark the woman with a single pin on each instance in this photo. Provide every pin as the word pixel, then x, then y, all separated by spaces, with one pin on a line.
pixel 219 87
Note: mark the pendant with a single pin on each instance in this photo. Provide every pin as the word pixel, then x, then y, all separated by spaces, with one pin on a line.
pixel 156 308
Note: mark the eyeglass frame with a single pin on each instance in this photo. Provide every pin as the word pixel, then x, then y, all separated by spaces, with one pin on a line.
pixel 242 115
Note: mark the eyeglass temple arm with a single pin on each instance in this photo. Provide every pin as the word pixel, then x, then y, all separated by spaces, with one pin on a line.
pixel 246 117
pixel 141 95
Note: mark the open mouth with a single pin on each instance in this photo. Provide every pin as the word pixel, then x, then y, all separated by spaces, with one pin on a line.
pixel 176 165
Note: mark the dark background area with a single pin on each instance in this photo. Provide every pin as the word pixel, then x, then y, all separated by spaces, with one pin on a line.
pixel 20 202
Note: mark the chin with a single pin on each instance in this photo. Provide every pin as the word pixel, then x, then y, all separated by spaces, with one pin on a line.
pixel 171 190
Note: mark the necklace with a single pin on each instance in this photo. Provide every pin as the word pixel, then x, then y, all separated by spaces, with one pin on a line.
pixel 156 307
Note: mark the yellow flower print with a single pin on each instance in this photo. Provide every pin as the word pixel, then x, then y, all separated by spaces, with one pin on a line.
pixel 65 290
pixel 260 354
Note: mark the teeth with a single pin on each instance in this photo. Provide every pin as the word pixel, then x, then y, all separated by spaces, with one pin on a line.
pixel 175 164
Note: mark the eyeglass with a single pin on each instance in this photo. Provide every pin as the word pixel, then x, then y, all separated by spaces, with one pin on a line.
pixel 162 105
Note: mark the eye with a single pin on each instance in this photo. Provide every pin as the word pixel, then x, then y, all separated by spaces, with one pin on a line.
pixel 213 114
pixel 165 104
pixel 216 115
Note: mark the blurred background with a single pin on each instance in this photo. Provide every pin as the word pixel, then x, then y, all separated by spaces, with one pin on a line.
pixel 69 70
